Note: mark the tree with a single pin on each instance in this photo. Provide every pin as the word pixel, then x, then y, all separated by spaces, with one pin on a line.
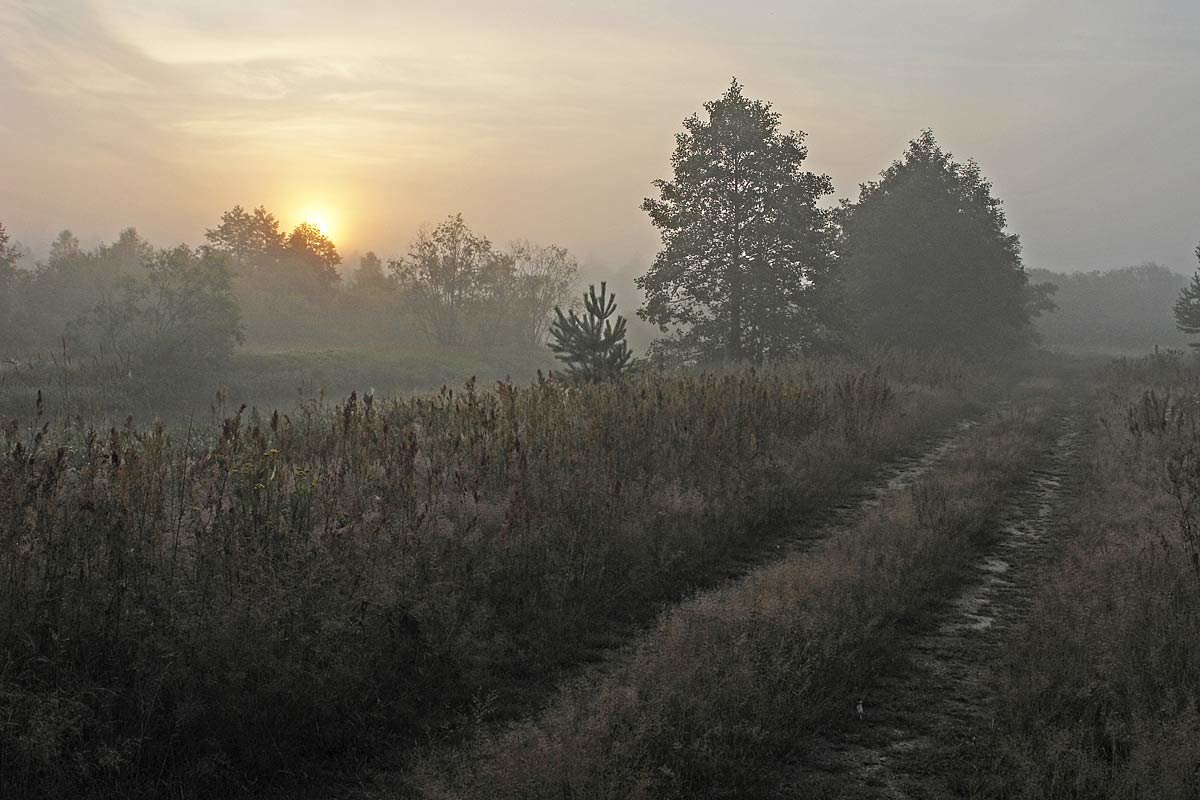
pixel 929 263
pixel 310 261
pixel 179 312
pixel 370 277
pixel 592 346
pixel 253 239
pixel 451 274
pixel 747 268
pixel 1187 307
pixel 544 278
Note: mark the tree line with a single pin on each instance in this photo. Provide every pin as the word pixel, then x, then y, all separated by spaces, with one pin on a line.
pixel 755 266
pixel 191 307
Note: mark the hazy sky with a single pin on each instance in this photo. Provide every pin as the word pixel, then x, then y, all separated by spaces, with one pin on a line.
pixel 549 119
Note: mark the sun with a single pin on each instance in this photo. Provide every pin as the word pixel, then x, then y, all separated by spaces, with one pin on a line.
pixel 321 219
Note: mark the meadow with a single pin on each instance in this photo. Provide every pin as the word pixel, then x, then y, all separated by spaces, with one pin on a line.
pixel 96 388
pixel 262 601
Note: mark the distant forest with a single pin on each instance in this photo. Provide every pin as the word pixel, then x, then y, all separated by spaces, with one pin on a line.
pixel 1114 311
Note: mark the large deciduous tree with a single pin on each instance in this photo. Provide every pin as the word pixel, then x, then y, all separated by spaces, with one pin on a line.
pixel 746 271
pixel 1187 307
pixel 252 238
pixel 928 261
pixel 450 275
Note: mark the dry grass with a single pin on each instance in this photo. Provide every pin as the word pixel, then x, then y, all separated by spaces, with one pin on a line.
pixel 1102 697
pixel 730 686
pixel 209 612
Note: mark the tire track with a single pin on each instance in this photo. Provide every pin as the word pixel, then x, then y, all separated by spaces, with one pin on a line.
pixel 903 740
pixel 894 476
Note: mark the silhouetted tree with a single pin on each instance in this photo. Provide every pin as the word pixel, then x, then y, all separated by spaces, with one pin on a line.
pixel 1187 307
pixel 253 239
pixel 928 260
pixel 746 269
pixel 591 345
pixel 451 274
pixel 310 261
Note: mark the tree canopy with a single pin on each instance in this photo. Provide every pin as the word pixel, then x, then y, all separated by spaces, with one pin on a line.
pixel 929 262
pixel 746 271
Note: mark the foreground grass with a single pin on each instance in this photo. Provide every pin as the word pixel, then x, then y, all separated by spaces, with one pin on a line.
pixel 1102 691
pixel 217 612
pixel 729 687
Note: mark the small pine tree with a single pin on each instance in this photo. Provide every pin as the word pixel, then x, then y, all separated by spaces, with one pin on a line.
pixel 592 347
pixel 1187 307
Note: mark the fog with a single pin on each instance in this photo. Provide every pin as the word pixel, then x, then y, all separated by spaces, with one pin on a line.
pixel 541 399
pixel 548 120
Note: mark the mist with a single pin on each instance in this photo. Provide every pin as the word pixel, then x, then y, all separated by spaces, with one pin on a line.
pixel 625 400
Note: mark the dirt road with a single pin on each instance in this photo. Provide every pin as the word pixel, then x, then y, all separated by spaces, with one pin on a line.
pixel 909 738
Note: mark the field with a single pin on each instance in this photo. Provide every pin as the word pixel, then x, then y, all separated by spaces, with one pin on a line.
pixel 895 575
pixel 98 390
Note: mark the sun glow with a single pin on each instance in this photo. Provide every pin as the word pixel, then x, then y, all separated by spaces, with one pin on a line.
pixel 321 219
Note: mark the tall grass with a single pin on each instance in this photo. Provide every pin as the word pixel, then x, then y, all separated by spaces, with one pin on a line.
pixel 729 688
pixel 208 611
pixel 1102 694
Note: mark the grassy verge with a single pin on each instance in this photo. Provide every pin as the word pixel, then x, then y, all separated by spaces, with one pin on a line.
pixel 218 612
pixel 1102 690
pixel 730 685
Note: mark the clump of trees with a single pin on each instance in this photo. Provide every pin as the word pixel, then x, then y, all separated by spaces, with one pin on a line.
pixel 253 281
pixel 284 279
pixel 463 290
pixel 753 269
pixel 179 313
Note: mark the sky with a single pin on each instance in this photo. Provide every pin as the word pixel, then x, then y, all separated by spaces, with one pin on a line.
pixel 548 119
